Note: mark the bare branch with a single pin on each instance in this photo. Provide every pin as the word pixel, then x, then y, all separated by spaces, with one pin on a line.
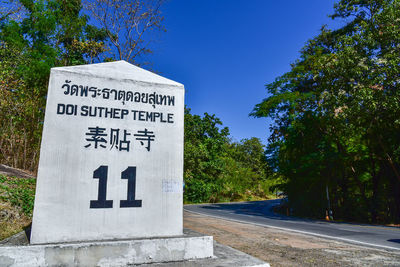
pixel 127 24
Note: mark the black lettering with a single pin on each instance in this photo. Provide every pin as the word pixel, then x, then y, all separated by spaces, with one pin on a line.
pixel 141 115
pixel 149 115
pixel 96 135
pixel 134 114
pixel 161 118
pixel 108 113
pixel 130 202
pixel 170 118
pixel 100 109
pixel 171 100
pixel 69 110
pixel 124 112
pixel 145 137
pixel 101 202
pixel 60 109
pixel 116 113
pixel 92 114
pixel 156 115
pixel 84 111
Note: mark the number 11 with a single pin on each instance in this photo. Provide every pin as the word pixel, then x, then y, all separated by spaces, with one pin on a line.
pixel 101 173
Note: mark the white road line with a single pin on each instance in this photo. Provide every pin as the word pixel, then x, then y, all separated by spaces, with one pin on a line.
pixel 298 231
pixel 287 221
pixel 351 230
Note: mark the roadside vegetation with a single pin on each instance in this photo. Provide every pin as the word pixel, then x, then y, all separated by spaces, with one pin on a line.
pixel 219 170
pixel 336 137
pixel 16 204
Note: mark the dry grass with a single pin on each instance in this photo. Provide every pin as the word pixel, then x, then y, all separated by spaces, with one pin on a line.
pixel 12 220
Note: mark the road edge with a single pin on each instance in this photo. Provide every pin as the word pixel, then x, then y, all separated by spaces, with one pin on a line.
pixel 396 250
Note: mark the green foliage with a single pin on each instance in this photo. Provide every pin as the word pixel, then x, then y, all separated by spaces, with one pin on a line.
pixel 36 35
pixel 41 36
pixel 198 191
pixel 216 169
pixel 337 114
pixel 20 192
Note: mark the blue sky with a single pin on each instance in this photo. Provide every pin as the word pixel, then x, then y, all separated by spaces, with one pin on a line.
pixel 225 51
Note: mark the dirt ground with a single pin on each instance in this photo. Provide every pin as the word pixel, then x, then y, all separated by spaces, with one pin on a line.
pixel 10 171
pixel 280 248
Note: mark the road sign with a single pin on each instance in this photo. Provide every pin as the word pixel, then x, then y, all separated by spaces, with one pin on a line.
pixel 111 161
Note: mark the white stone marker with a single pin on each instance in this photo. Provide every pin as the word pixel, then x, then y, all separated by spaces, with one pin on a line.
pixel 111 160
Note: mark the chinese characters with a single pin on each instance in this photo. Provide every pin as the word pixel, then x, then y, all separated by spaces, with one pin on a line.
pixel 121 140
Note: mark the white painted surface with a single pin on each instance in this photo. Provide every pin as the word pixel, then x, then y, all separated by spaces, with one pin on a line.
pixel 120 70
pixel 109 253
pixel 65 185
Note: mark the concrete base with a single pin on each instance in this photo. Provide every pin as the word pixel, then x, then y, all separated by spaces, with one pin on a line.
pixel 224 256
pixel 110 253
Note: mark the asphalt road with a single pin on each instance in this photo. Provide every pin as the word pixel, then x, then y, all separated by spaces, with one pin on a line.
pixel 260 213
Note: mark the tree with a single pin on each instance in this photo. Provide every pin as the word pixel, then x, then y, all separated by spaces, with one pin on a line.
pixel 38 38
pixel 10 9
pixel 217 169
pixel 204 142
pixel 126 24
pixel 36 35
pixel 336 116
